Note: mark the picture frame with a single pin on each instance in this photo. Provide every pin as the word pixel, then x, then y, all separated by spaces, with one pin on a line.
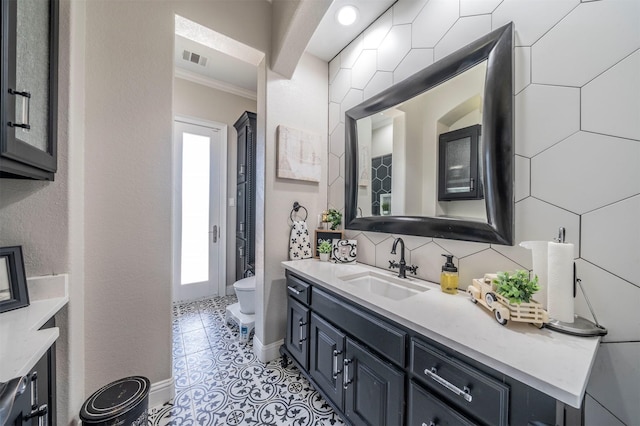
pixel 345 251
pixel 324 235
pixel 13 279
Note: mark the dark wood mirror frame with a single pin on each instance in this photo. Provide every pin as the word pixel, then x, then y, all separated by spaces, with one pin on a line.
pixel 497 147
pixel 16 277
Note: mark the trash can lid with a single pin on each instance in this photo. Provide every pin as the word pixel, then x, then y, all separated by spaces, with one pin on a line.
pixel 115 399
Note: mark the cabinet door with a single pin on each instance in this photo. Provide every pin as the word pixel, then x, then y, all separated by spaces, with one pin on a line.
pixel 29 89
pixel 326 358
pixel 241 220
pixel 297 341
pixel 241 263
pixel 242 154
pixel 374 393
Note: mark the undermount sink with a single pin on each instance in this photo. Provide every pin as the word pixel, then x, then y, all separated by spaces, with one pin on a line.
pixel 384 285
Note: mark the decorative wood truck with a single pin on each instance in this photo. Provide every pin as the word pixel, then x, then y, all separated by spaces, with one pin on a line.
pixel 484 291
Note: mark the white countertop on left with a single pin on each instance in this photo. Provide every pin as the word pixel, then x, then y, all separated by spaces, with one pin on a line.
pixel 21 343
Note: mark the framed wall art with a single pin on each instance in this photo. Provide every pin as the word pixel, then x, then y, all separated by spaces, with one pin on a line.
pixel 13 280
pixel 324 235
pixel 298 155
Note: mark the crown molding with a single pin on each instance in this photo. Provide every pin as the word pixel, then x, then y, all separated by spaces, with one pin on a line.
pixel 214 84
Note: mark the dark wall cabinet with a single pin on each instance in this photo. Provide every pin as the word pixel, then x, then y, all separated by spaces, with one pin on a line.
pixel 459 171
pixel 28 89
pixel 246 195
pixel 376 372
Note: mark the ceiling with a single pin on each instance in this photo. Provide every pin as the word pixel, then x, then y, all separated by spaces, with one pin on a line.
pixel 227 73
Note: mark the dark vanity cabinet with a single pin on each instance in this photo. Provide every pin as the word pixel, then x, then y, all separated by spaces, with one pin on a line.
pixel 28 89
pixel 459 176
pixel 246 195
pixel 36 406
pixel 376 372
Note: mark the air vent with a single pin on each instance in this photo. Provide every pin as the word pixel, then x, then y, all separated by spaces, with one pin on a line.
pixel 194 58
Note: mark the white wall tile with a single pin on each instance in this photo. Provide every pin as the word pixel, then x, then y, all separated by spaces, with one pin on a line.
pixel 610 238
pixel 545 115
pixel 404 12
pixel 488 261
pixel 334 168
pixel 614 380
pixel 463 32
pixel 353 98
pixel 531 18
pixel 342 169
pixel 340 86
pixel 411 242
pixel 394 47
pixel 334 67
pixel 435 19
pixel 334 115
pixel 523 177
pixel 477 7
pixel 587 42
pixel 376 237
pixel 596 415
pixel 600 286
pixel 611 102
pixel 363 69
pixel 336 140
pixel 460 248
pixel 381 80
pixel 366 250
pixel 350 54
pixel 539 221
pixel 336 194
pixel 416 60
pixel 374 35
pixel 522 73
pixel 429 261
pixel 572 173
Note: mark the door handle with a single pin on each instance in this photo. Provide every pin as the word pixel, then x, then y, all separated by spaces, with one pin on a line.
pixel 345 375
pixel 214 231
pixel 335 364
pixel 26 100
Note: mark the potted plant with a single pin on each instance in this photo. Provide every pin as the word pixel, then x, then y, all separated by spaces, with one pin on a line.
pixel 324 249
pixel 335 218
pixel 518 287
pixel 385 208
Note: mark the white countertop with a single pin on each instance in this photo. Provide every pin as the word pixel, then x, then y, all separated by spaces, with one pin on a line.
pixel 556 364
pixel 21 343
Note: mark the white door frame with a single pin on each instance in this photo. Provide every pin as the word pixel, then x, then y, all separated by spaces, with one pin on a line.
pixel 221 203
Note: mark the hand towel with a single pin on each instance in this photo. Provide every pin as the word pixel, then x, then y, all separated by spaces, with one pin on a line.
pixel 300 242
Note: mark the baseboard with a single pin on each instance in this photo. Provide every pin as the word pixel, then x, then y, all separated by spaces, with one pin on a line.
pixel 266 353
pixel 161 392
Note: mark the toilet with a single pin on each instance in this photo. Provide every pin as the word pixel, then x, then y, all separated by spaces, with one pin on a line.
pixel 245 290
pixel 243 312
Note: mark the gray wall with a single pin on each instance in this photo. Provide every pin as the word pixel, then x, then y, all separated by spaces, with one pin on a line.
pixel 577 73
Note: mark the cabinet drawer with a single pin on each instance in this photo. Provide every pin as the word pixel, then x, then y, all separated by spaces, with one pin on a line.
pixel 298 289
pixel 375 333
pixel 427 410
pixel 466 388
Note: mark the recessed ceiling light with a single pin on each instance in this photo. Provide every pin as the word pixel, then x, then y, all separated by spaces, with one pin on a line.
pixel 347 15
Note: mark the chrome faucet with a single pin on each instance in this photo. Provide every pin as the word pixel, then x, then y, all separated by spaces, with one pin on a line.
pixel 402 273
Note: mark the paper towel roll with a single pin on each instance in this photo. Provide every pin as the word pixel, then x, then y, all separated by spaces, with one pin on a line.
pixel 539 252
pixel 560 303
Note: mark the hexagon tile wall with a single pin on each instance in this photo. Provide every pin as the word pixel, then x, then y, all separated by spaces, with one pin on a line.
pixel 577 109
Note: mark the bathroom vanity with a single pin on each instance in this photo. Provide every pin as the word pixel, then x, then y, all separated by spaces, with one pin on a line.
pixel 384 350
pixel 27 349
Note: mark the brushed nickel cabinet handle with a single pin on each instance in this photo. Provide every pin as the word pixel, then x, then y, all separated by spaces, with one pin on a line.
pixel 464 393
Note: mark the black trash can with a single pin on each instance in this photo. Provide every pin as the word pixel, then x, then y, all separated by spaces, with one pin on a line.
pixel 123 402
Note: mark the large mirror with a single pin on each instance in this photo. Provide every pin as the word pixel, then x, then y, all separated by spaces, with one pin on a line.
pixel 433 155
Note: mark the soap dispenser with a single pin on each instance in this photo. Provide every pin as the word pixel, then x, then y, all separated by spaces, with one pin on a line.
pixel 449 276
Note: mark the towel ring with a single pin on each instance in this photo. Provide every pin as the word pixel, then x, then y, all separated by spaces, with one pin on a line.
pixel 297 206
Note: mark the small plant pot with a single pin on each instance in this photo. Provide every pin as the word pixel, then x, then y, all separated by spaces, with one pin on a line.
pixel 324 257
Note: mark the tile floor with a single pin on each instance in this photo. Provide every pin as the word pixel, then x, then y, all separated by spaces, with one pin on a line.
pixel 219 381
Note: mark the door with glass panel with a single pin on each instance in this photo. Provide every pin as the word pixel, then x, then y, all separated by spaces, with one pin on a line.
pixel 199 209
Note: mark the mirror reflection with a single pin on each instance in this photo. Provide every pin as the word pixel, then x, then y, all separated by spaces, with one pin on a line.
pixel 5 289
pixel 420 157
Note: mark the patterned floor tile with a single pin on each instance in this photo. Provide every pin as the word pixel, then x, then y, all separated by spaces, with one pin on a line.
pixel 219 380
